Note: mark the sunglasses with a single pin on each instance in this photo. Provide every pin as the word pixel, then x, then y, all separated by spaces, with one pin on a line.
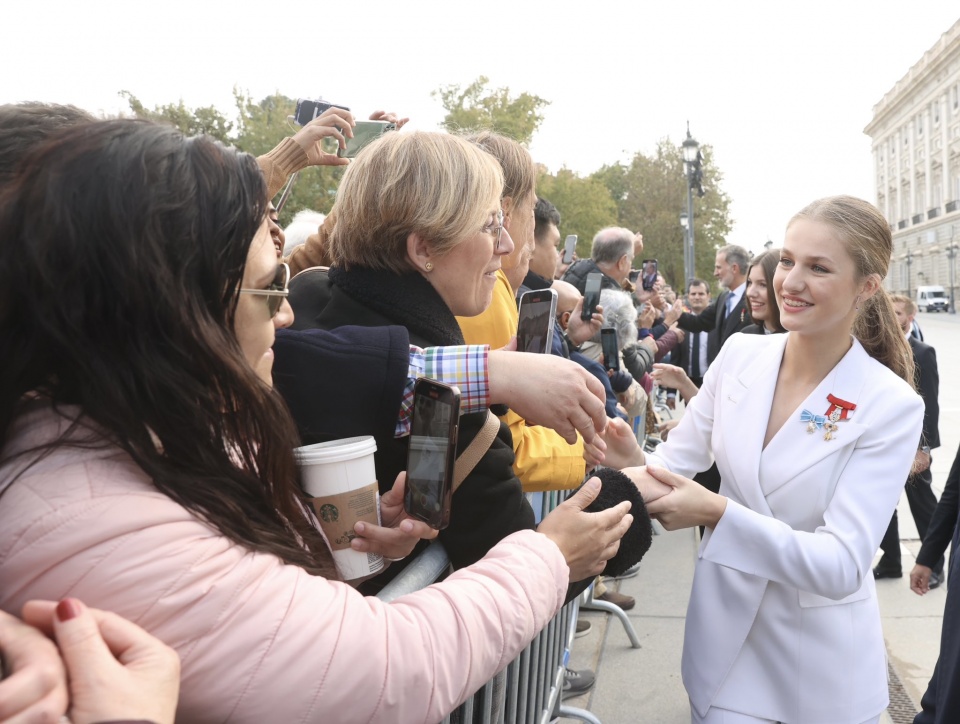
pixel 276 292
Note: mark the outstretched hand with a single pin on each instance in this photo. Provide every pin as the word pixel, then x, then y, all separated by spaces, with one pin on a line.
pixel 587 540
pixel 398 533
pixel 620 449
pixel 689 503
pixel 548 390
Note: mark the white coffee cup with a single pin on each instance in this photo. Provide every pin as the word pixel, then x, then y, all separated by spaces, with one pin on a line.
pixel 341 480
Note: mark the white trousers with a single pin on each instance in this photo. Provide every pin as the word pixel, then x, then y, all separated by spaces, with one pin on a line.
pixel 725 716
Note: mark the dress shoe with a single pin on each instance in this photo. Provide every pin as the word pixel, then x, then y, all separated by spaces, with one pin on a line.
pixel 622 600
pixel 583 628
pixel 880 572
pixel 576 682
pixel 935 580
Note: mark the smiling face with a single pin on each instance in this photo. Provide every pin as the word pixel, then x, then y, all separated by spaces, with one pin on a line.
pixel 252 324
pixel 757 294
pixel 465 276
pixel 816 281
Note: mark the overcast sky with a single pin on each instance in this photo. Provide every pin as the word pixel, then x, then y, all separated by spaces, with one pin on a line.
pixel 782 91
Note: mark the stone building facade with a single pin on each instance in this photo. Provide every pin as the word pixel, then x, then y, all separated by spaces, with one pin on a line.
pixel 916 153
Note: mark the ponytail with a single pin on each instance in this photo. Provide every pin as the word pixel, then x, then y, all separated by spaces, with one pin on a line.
pixel 876 328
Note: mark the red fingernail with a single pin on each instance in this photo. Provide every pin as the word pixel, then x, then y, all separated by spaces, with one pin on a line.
pixel 68 608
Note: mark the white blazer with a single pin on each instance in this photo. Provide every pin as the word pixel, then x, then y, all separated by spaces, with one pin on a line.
pixel 783 621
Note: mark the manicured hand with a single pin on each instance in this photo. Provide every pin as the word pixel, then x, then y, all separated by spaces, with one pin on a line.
pixel 688 505
pixel 117 670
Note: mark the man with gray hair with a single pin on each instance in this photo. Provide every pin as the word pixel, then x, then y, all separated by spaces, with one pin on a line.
pixel 729 313
pixel 614 249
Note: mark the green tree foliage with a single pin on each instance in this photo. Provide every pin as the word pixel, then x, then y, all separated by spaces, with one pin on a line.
pixel 650 193
pixel 585 205
pixel 257 128
pixel 478 107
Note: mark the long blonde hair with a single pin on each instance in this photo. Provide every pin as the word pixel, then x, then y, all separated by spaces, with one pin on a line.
pixel 865 234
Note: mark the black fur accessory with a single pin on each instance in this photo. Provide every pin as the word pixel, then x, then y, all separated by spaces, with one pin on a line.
pixel 617 487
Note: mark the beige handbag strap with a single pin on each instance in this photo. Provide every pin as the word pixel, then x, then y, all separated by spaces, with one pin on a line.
pixel 477 448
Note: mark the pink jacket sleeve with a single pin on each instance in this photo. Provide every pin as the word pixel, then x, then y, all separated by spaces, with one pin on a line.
pixel 260 640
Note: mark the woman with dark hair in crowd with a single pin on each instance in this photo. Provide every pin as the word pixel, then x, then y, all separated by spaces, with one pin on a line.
pixel 813 432
pixel 147 464
pixel 760 296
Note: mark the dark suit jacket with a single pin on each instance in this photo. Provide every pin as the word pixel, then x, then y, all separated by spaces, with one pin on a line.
pixel 714 320
pixel 928 385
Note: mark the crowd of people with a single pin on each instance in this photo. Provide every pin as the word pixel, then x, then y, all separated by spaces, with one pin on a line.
pixel 168 345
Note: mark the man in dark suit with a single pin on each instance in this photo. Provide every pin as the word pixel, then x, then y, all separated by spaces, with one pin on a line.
pixel 920 495
pixel 941 701
pixel 691 354
pixel 729 312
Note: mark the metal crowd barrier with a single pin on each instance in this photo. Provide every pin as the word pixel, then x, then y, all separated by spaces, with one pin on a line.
pixel 528 690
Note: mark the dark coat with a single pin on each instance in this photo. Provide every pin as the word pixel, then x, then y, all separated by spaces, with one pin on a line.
pixel 577 275
pixel 715 320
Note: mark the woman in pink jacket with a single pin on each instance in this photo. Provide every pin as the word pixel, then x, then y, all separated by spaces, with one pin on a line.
pixel 147 465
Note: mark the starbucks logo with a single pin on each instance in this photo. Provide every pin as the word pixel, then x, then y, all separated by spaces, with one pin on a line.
pixel 329 513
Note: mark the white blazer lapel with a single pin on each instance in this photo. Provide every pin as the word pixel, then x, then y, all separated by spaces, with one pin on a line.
pixel 803 450
pixel 744 412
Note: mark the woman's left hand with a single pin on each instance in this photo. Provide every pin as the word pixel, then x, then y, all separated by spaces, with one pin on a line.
pixel 688 505
pixel 622 449
pixel 398 533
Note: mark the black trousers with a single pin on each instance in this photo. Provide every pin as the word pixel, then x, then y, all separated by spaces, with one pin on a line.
pixel 922 503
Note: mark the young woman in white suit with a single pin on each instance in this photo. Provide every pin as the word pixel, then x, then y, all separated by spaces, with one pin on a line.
pixel 813 432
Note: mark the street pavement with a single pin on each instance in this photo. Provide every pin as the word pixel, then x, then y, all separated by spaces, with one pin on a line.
pixel 643 685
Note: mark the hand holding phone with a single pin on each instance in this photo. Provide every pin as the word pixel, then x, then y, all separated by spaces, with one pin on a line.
pixel 335 123
pixel 364 133
pixel 591 295
pixel 431 452
pixel 610 345
pixel 538 309
pixel 649 270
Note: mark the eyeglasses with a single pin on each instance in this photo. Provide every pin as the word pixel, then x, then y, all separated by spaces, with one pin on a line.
pixel 496 231
pixel 276 292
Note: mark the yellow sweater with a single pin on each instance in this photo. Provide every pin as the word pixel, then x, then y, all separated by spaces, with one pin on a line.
pixel 544 460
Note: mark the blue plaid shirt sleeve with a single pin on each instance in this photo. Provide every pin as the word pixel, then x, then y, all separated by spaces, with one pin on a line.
pixel 463 366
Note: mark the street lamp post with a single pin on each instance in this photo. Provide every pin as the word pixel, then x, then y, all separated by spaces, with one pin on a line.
pixel 684 224
pixel 909 264
pixel 692 167
pixel 952 256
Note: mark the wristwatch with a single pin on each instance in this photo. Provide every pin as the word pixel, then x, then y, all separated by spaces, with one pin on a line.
pixel 925 449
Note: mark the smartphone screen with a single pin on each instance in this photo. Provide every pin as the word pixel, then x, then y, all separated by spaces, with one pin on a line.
pixel 569 249
pixel 538 309
pixel 610 347
pixel 431 453
pixel 649 270
pixel 364 133
pixel 591 295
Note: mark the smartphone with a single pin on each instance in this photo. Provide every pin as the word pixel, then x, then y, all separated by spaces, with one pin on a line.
pixel 649 270
pixel 432 452
pixel 569 249
pixel 633 275
pixel 610 346
pixel 308 109
pixel 538 309
pixel 364 133
pixel 591 295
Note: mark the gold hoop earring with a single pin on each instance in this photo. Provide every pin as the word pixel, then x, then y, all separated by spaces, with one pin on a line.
pixel 428 266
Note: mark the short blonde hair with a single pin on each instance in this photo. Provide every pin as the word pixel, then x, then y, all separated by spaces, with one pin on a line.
pixel 519 171
pixel 432 184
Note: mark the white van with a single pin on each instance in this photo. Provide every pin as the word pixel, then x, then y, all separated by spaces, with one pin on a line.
pixel 932 299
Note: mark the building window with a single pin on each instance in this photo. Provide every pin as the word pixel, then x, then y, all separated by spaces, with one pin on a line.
pixel 953 96
pixel 919 125
pixel 936 112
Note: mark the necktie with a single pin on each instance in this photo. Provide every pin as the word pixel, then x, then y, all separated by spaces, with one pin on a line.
pixel 729 305
pixel 695 356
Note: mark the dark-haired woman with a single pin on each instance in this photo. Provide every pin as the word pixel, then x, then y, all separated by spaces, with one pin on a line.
pixel 147 464
pixel 760 296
